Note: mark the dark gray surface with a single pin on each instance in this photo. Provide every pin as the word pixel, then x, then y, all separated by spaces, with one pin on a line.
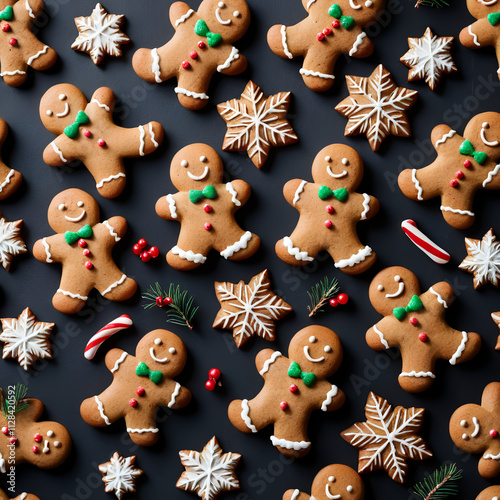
pixel 65 381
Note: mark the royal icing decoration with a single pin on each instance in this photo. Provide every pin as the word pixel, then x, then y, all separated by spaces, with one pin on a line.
pixel 419 239
pixel 119 475
pixel 107 331
pixel 11 243
pixel 241 244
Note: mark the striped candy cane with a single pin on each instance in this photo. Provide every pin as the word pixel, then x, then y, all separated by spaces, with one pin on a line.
pixel 105 332
pixel 436 253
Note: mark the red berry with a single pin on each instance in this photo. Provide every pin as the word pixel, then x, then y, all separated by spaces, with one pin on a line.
pixel 493 433
pixel 87 133
pixel 342 298
pixel 422 337
pixel 283 405
pixel 145 256
pixel 459 174
pixel 210 385
pixel 133 402
pixel 214 373
pixel 328 224
pixel 5 27
pixel 193 54
pixel 159 301
pixel 5 430
pixel 334 302
pixel 336 23
pixel 330 209
pixel 467 163
pixel 167 300
pixel 201 44
pixel 453 183
pixel 89 265
pixel 142 243
pixel 12 41
pixel 140 391
pixel 185 64
pixel 207 208
pixel 320 37
pixel 86 252
pixel 136 249
pixel 38 438
pixel 154 252
pixel 327 31
pixel 82 243
pixel 13 440
pixel 101 143
pixel 34 449
pixel 207 226
pixel 293 388
pixel 413 321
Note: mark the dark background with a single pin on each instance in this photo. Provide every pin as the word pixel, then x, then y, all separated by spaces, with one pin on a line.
pixel 63 382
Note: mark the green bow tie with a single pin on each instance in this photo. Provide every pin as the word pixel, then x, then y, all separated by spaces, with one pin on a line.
pixel 85 232
pixel 143 371
pixel 208 192
pixel 336 12
pixel 325 192
pixel 201 29
pixel 415 304
pixel 466 148
pixel 72 130
pixel 295 372
pixel 7 14
pixel 494 18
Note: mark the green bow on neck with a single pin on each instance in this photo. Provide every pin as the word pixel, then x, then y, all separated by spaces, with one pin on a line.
pixel 415 304
pixel 466 148
pixel 336 12
pixel 72 130
pixel 143 371
pixel 325 192
pixel 85 232
pixel 208 192
pixel 7 14
pixel 294 371
pixel 494 18
pixel 201 29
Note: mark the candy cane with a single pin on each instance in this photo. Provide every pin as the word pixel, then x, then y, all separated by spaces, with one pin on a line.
pixel 105 332
pixel 437 254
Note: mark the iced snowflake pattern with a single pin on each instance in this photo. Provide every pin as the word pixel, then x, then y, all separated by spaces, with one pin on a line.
pixel 119 475
pixel 11 243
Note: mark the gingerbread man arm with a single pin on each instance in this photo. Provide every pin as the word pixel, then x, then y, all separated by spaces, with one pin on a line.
pixel 104 98
pixel 56 154
pixel 368 205
pixel 264 361
pixel 442 292
pixel 177 11
pixel 362 46
pixel 242 190
pixel 28 11
pixel 178 397
pixel 380 336
pixel 479 34
pixel 235 64
pixel 116 228
pixel 112 356
pixel 296 495
pixel 49 249
pixel 490 400
pixel 292 190
pixel 334 398
pixel 167 207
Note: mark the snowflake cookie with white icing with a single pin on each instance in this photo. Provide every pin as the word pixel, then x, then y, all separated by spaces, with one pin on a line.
pixel 141 384
pixel 293 388
pixel 328 31
pixel 86 132
pixel 415 323
pixel 201 46
pixel 11 242
pixel 83 246
pixel 205 207
pixel 10 179
pixel 119 475
pixel 463 166
pixel 329 210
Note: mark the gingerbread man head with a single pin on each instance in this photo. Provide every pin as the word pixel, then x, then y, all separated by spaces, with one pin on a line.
pixel 71 209
pixel 481 8
pixel 338 166
pixel 483 131
pixel 393 287
pixel 229 18
pixel 362 11
pixel 316 349
pixel 60 105
pixel 195 166
pixel 338 481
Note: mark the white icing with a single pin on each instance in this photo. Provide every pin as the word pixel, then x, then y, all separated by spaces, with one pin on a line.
pixel 327 348
pixel 100 104
pixel 349 488
pixel 413 373
pixel 100 407
pixel 174 394
pixel 171 206
pixel 456 211
pixel 38 54
pixel 460 350
pixel 183 18
pixel 119 361
pixel 100 184
pixel 296 493
pixel 329 397
pixel 474 36
pixel 312 339
pixel 358 42
pixel 477 427
pixel 154 430
pixel 141 139
pixel 418 187
pixel 486 2
pixel 489 456
pixel 219 18
pixel 328 493
pixel 72 295
pixel 152 134
pixel 491 174
pixel 381 335
pixel 335 176
pixel 50 433
pixel 358 257
pixel 309 4
pixel 446 136
pixel 154 358
pixel 189 255
pixel 78 218
pixel 155 65
pixel 400 290
pixel 310 72
pixel 290 445
pixel 119 475
pixel 244 415
pixel 366 206
pixel 232 57
pixel 46 448
pixel 484 126
pixel 380 288
pixel 310 358
pixel 354 5
pixel 284 43
pixel 64 113
pixel 111 230
pixel 11 73
pixel 233 193
pixel 201 176
pixel 3 469
pixel 295 251
pixel 114 285
pixel 189 93
pixel 439 297
pixel 57 150
pixel 29 9
pixel 270 361
pixel 464 423
pixel 237 246
pixel 298 192
pixel 47 251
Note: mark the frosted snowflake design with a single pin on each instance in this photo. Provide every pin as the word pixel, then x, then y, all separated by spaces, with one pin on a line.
pixel 209 472
pixel 11 242
pixel 100 34
pixel 119 474
pixel 483 259
pixel 26 338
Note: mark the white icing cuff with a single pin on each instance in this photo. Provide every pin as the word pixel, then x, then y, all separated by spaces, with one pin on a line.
pixel 183 18
pixel 381 335
pixel 439 297
pixel 491 174
pixel 357 43
pixel 174 394
pixel 244 415
pixel 100 184
pixel 7 179
pixel 155 66
pixel 445 137
pixel 233 193
pixel 456 211
pixel 95 101
pixel 366 206
pixel 474 36
pixel 11 73
pixel 3 469
pixel 111 230
pixel 418 187
pixel 72 295
pixel 270 361
pixel 461 348
pixel 119 361
pixel 141 139
pixel 417 374
pixel 114 285
pixel 284 42
pixel 100 407
pixel 189 93
pixel 295 251
pixel 232 57
pixel 296 493
pixel 189 255
pixel 489 456
pixel 329 397
pixel 290 445
pixel 154 430
pixel 236 247
pixel 354 259
pixel 55 148
pixel 310 72
pixel 37 55
pixel 46 246
pixel 171 206
pixel 152 134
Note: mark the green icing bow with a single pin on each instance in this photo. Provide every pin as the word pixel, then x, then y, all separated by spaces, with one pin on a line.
pixel 72 130
pixel 340 194
pixel 494 18
pixel 294 371
pixel 85 232
pixel 143 371
pixel 466 148
pixel 336 12
pixel 201 29
pixel 415 304
pixel 208 192
pixel 7 14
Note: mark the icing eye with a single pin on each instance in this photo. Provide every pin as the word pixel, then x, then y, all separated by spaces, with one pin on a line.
pixel 327 348
pixel 62 206
pixel 49 112
pixel 380 288
pixel 368 3
pixel 312 339
pixel 221 4
pixel 236 13
pixel 397 277
pixel 331 479
pixel 57 444
pixel 80 203
pixel 485 125
pixel 349 489
pixel 465 437
pixel 50 433
pixel 464 423
pixel 328 159
pixel 172 350
pixel 158 341
pixel 184 163
pixel 203 158
pixel 62 97
pixel 345 161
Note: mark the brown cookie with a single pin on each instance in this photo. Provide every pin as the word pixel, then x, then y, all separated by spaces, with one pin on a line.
pixel 205 207
pixel 496 318
pixel 201 46
pixel 86 132
pixel 463 166
pixel 119 475
pixel 491 493
pixel 11 242
pixel 83 246
pixel 10 179
pixel 293 388
pixel 416 324
pixel 328 31
pixel 22 496
pixel 329 209
pixel 141 384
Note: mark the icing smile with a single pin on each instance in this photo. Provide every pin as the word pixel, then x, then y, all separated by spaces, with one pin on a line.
pixel 335 176
pixel 329 494
pixel 217 15
pixel 485 126
pixel 65 112
pixel 76 219
pixel 308 356
pixel 201 176
pixel 401 289
pixel 477 428
pixel 158 360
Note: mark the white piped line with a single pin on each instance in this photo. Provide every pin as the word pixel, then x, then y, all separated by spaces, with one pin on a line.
pixel 309 72
pixel 100 104
pixel 491 174
pixel 108 179
pixel 189 255
pixel 445 137
pixel 37 55
pixel 284 43
pixel 456 211
pixel 417 374
pixel 174 394
pixel 309 4
pixel 439 298
pixel 141 138
pixel 152 134
pixel 189 93
pixel 233 193
pixel 58 151
pixel 474 36
pixel 47 251
pixel 491 456
pixel 114 285
pixel 329 397
pixel 183 18
pixel 242 243
pixel 298 192
pixel 289 445
pixel 460 350
pixel 29 9
pixel 171 206
pixel 232 57
pixel 155 66
pixel 72 295
pixel 154 430
pixel 418 187
pixel 100 407
pixel 12 73
pixel 111 230
pixel 7 179
pixel 244 415
pixel 270 361
pixel 354 259
pixel 119 361
pixel 381 335
pixel 357 43
pixel 295 251
pixel 366 206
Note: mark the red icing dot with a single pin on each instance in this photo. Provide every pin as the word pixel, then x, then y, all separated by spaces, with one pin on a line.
pixel 330 209
pixel 422 337
pixel 89 265
pixel 12 41
pixel 193 54
pixel 336 23
pixel 154 252
pixel 167 300
pixel 293 388
pixel 86 252
pixel 101 143
pixel 459 174
pixel 201 44
pixel 343 298
pixel 207 226
pixel 82 243
pixel 283 405
pixel 13 440
pixel 145 256
pixel 140 391
pixel 334 302
pixel 207 208
pixel 38 438
pixel 413 321
pixel 34 449
pixel 185 64
pixel 136 249
pixel 133 402
pixel 327 31
pixel 493 433
pixel 5 430
pixel 214 373
pixel 467 163
pixel 453 183
pixel 328 223
pixel 87 133
pixel 210 385
pixel 320 37
pixel 159 301
pixel 5 27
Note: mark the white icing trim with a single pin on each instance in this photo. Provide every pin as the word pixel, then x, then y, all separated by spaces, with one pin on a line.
pixel 413 373
pixel 189 255
pixel 100 104
pixel 183 18
pixel 491 174
pixel 200 177
pixel 474 36
pixel 155 65
pixel 78 218
pixel 244 415
pixel 460 350
pixel 108 179
pixel 154 430
pixel 233 193
pixel 219 18
pixel 174 394
pixel 7 179
pixel 114 285
pixel 189 93
pixel 141 138
pixel 446 136
pixel 100 407
pixel 439 297
pixel 295 251
pixel 72 295
pixel 354 259
pixel 232 57
pixel 381 335
pixel 491 457
pixel 242 243
pixel 11 73
pixel 483 136
pixel 38 54
pixel 357 43
pixel 366 206
pixel 171 206
pixel 111 230
pixel 310 72
pixel 56 149
pixel 29 9
pixel 418 187
pixel 298 192
pixel 270 361
pixel 477 427
pixel 119 361
pixel 329 397
pixel 152 134
pixel 283 42
pixel 307 8
pixel 398 292
pixel 48 258
pixel 491 2
pixel 289 445
pixel 456 211
pixel 296 493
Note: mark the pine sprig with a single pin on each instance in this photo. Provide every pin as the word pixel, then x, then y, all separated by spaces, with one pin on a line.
pixel 438 4
pixel 442 483
pixel 181 308
pixel 320 293
pixel 19 403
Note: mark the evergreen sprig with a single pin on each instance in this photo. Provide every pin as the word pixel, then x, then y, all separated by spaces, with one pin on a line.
pixel 19 404
pixel 442 483
pixel 180 311
pixel 320 293
pixel 438 4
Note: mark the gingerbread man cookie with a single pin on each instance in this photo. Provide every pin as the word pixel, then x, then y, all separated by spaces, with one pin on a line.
pixel 332 482
pixel 491 493
pixel 293 388
pixel 201 46
pixel 415 323
pixel 328 31
pixel 83 246
pixel 205 207
pixel 86 132
pixel 463 166
pixel 10 179
pixel 22 496
pixel 329 209
pixel 141 384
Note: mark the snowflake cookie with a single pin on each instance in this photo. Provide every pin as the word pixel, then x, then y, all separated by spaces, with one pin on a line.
pixel 210 472
pixel 483 259
pixel 388 438
pixel 376 107
pixel 25 338
pixel 255 123
pixel 429 57
pixel 119 475
pixel 11 243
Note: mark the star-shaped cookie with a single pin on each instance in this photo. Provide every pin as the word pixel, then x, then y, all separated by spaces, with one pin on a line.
pixel 11 243
pixel 255 123
pixel 483 259
pixel 250 309
pixel 376 107
pixel 119 475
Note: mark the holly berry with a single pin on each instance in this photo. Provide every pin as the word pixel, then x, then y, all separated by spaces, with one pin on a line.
pixel 185 64
pixel 154 252
pixel 140 391
pixel 201 44
pixel 467 163
pixel 5 430
pixel 159 301
pixel 214 373
pixel 13 440
pixel 334 302
pixel 12 41
pixel 328 224
pixel 283 405
pixel 422 337
pixel 145 256
pixel 38 438
pixel 5 27
pixel 342 298
pixel 493 433
pixel 453 183
pixel 101 143
pixel 459 174
pixel 89 265
pixel 133 402
pixel 142 243
pixel 34 449
pixel 193 54
pixel 210 384
pixel 293 388
pixel 320 37
pixel 167 300
pixel 136 249
pixel 413 321
pixel 82 243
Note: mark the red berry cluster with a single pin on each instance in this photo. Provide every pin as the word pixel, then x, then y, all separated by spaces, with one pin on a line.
pixel 163 301
pixel 213 376
pixel 341 298
pixel 145 255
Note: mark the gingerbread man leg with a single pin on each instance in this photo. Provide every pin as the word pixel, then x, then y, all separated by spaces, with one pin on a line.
pixel 191 250
pixel 353 258
pixel 71 295
pixel 111 182
pixel 290 438
pixel 192 92
pixel 142 428
pixel 299 248
pixel 42 56
pixel 317 70
pixel 417 374
pixel 119 287
pixel 457 211
pixel 10 179
pixel 245 246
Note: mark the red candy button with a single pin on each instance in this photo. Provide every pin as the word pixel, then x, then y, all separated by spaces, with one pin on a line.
pixel 422 337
